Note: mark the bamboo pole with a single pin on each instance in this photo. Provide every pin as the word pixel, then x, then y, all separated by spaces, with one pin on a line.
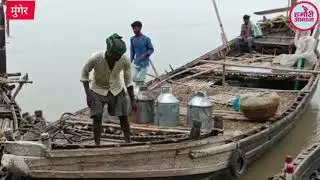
pixel 156 77
pixel 263 55
pixel 154 68
pixel 13 74
pixel 24 78
pixel 17 91
pixel 287 11
pixel 133 127
pixel 271 11
pixel 263 67
pixel 250 59
pixel 198 74
pixel 316 33
pixel 170 77
pixel 223 34
pixel 224 73
pixel 171 67
pixel 3 56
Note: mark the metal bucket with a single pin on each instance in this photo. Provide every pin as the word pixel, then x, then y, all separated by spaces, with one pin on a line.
pixel 200 109
pixel 145 103
pixel 167 108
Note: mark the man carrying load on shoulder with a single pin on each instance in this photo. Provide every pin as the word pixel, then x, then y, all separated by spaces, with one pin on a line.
pixel 141 49
pixel 107 87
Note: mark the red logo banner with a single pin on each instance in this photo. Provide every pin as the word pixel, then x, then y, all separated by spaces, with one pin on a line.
pixel 20 10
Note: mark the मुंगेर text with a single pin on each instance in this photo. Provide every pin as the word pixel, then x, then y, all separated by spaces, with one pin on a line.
pixel 16 10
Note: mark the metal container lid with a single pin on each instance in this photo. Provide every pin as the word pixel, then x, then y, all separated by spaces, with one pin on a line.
pixel 166 97
pixel 144 94
pixel 166 89
pixel 199 100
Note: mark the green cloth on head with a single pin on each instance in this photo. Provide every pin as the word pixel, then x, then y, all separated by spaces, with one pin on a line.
pixel 115 44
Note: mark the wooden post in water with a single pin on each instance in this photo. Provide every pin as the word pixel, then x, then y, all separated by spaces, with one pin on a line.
pixel 3 57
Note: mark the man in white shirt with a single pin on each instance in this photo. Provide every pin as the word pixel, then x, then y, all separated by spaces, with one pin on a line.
pixel 107 87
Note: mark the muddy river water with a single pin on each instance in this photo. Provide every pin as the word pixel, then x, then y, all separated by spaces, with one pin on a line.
pixel 304 133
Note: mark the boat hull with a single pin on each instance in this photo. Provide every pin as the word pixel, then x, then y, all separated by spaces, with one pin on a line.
pixel 205 158
pixel 208 157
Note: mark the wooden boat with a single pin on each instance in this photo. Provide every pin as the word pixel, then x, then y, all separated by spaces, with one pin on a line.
pixel 67 151
pixel 10 86
pixel 10 112
pixel 306 165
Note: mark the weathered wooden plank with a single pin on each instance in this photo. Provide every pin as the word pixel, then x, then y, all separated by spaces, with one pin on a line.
pixel 258 151
pixel 210 151
pixel 76 121
pixel 264 67
pixel 129 174
pixel 168 78
pixel 137 149
pixel 255 140
pixel 272 11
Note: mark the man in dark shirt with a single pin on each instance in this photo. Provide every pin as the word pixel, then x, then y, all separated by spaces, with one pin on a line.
pixel 246 35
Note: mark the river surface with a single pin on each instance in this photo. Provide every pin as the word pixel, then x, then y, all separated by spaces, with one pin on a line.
pixel 54 47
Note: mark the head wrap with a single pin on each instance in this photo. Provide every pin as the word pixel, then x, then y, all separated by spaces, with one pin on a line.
pixel 246 17
pixel 115 44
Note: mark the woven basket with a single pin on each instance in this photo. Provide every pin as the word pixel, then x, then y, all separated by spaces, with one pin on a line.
pixel 260 113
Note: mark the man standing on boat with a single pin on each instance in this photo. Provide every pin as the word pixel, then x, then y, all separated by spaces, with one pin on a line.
pixel 141 49
pixel 107 87
pixel 246 35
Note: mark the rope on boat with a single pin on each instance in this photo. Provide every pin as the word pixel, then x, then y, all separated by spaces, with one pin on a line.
pixel 62 127
pixel 62 118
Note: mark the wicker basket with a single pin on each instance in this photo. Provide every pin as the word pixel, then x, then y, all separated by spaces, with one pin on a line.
pixel 260 113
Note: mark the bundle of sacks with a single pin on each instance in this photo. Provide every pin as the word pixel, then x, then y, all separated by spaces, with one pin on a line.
pixel 305 49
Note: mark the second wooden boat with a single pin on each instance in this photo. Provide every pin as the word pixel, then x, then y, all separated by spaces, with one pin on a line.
pixel 306 166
